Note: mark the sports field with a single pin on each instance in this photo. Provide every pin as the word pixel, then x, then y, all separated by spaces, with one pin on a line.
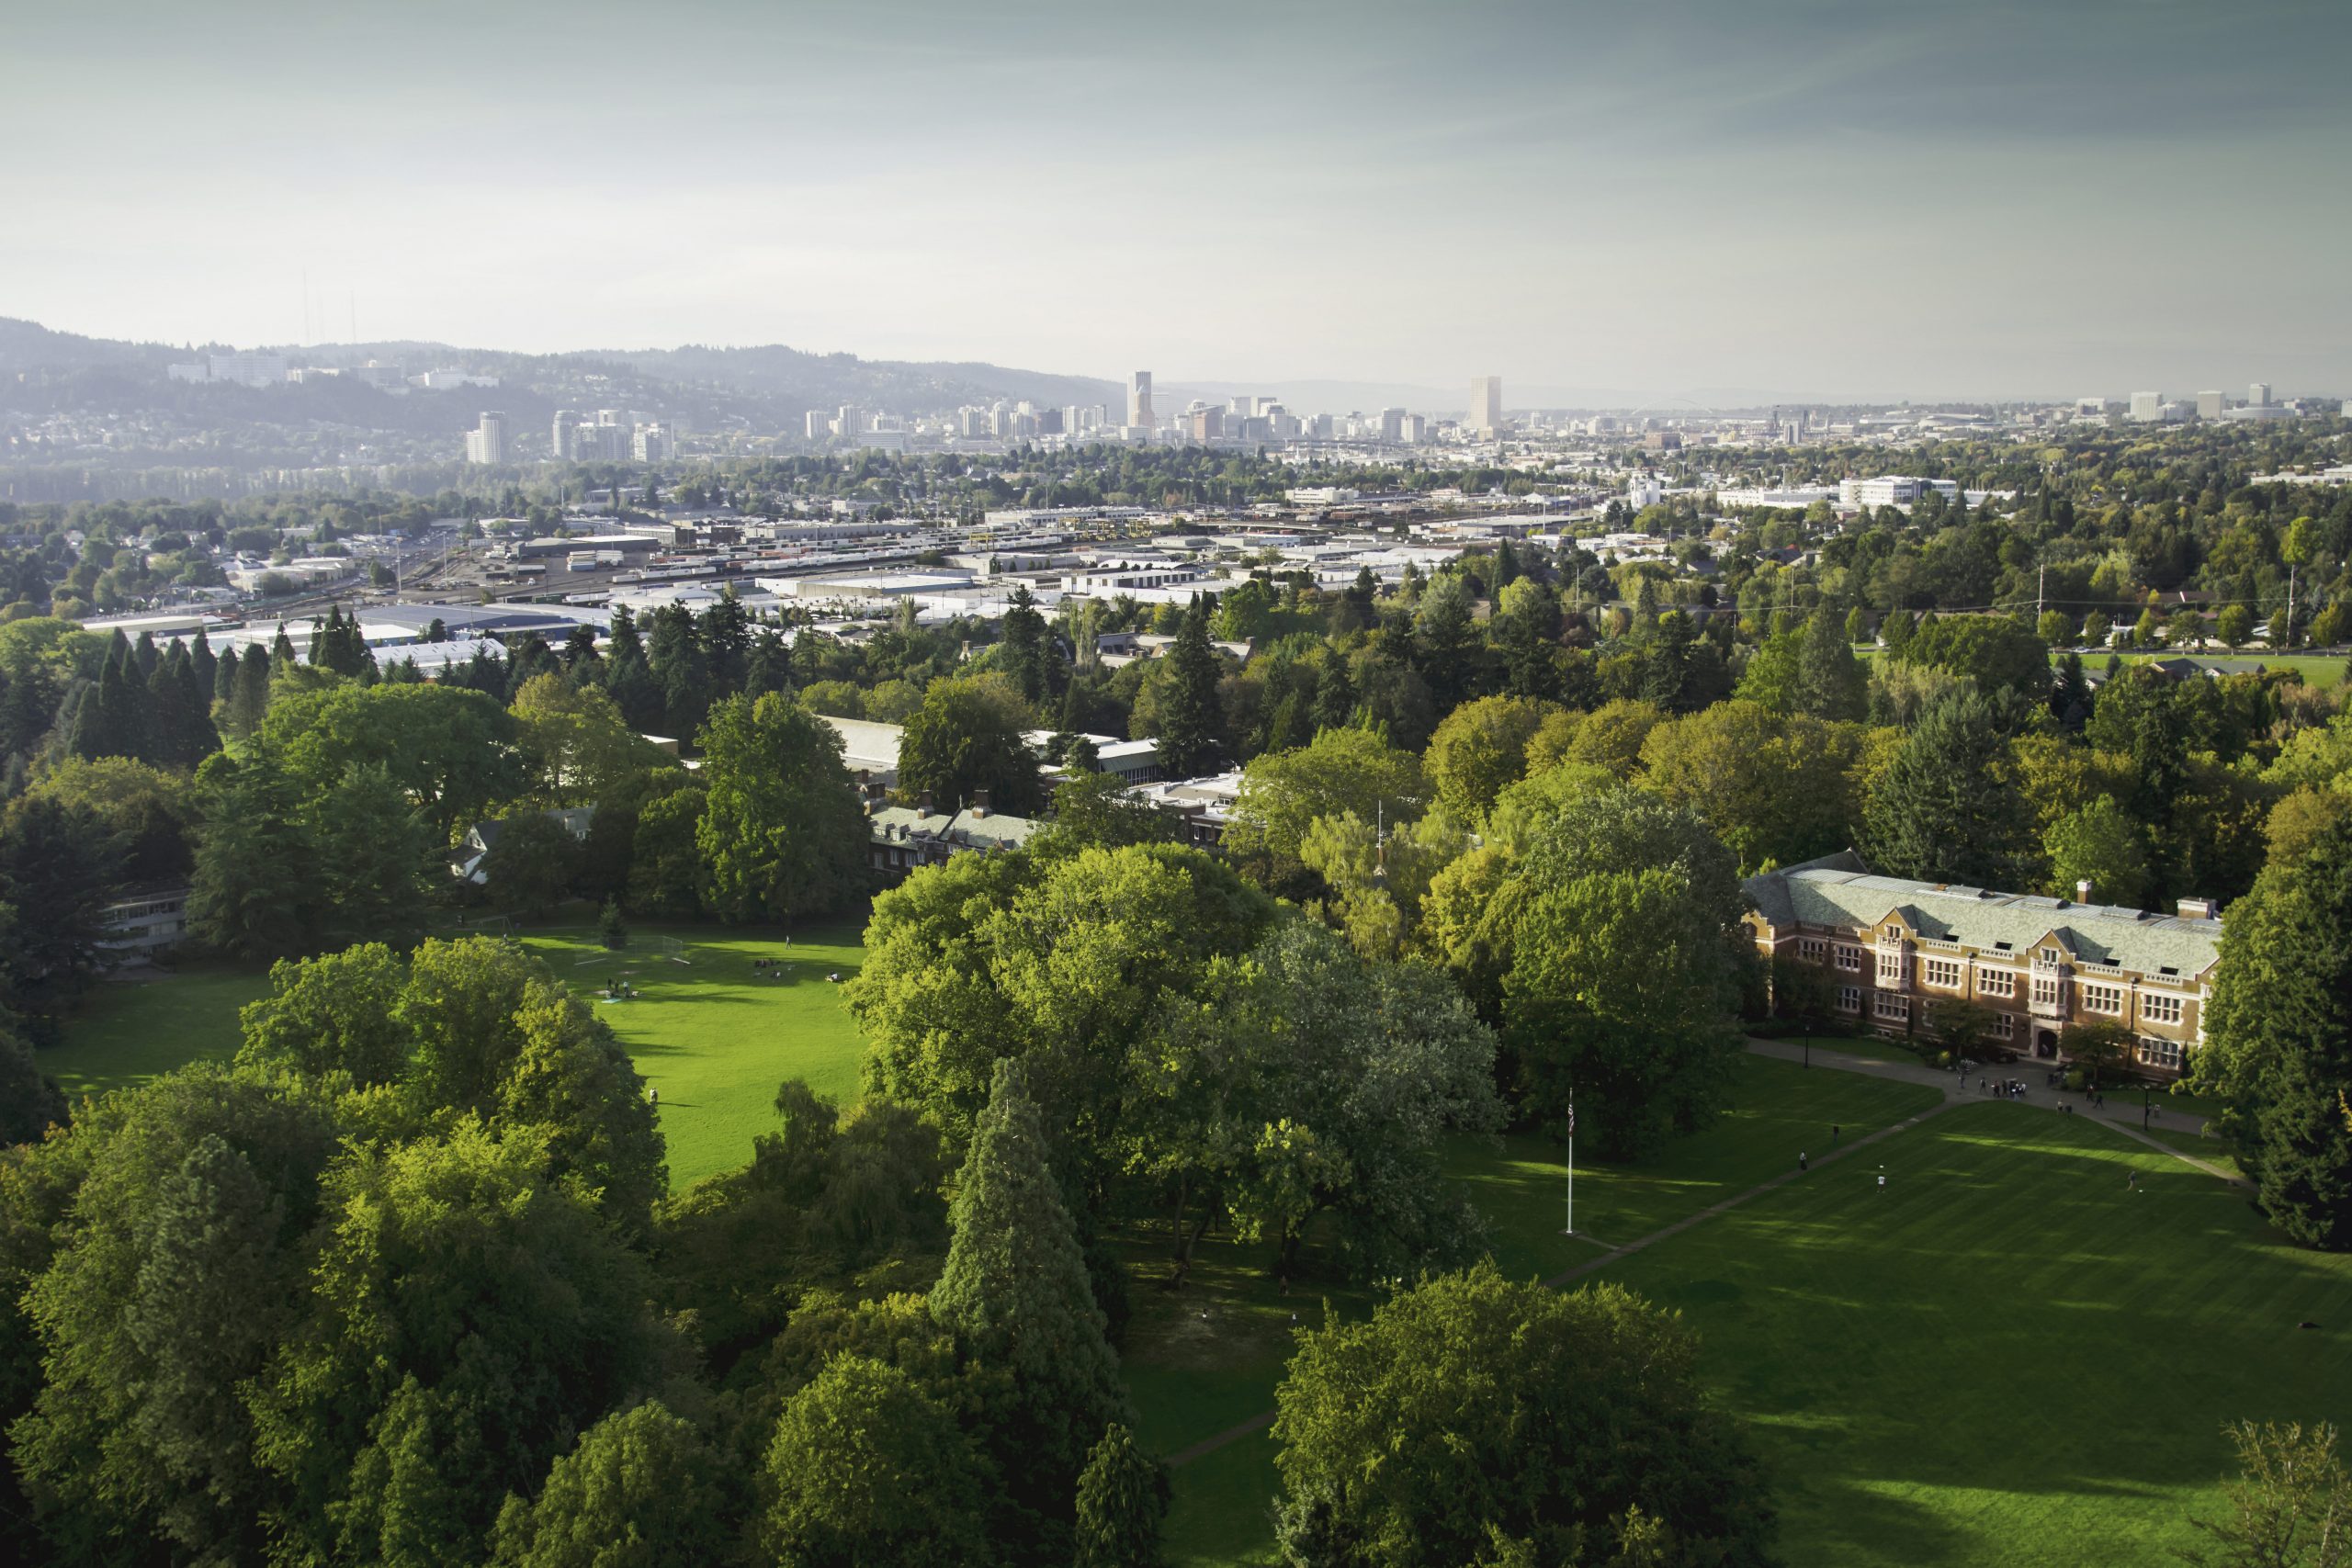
pixel 713 1034
pixel 2008 1356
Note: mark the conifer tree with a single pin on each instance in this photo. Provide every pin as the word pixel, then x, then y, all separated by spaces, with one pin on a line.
pixel 1335 697
pixel 1014 1291
pixel 250 702
pixel 200 655
pixel 1830 682
pixel 282 657
pixel 224 676
pixel 1940 813
pixel 147 655
pixel 1121 1500
pixel 1188 707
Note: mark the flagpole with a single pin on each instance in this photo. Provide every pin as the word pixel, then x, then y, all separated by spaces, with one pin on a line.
pixel 1572 1169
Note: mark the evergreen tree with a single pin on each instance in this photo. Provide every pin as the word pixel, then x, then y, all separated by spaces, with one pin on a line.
pixel 282 657
pixel 1014 1291
pixel 2070 693
pixel 224 676
pixel 200 654
pixel 371 851
pixel 1189 715
pixel 249 703
pixel 640 1490
pixel 1335 696
pixel 254 893
pixel 2278 1036
pixel 147 656
pixel 724 632
pixel 93 734
pixel 1939 812
pixel 58 866
pixel 1830 682
pixel 1121 1500
pixel 768 667
pixel 1024 644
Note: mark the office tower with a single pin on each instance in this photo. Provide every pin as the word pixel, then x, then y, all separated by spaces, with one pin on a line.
pixel 652 443
pixel 559 437
pixel 1392 424
pixel 2258 395
pixel 2147 408
pixel 1139 398
pixel 486 443
pixel 813 426
pixel 2210 404
pixel 1486 404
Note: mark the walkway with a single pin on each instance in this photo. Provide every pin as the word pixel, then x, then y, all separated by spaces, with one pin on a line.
pixel 2124 1119
pixel 2123 1110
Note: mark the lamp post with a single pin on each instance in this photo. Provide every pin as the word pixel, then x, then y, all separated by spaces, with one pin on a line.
pixel 1807 1023
pixel 2145 1105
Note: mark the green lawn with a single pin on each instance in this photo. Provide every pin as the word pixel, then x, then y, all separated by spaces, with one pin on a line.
pixel 2318 668
pixel 1193 1376
pixel 2007 1355
pixel 712 1034
pixel 134 1029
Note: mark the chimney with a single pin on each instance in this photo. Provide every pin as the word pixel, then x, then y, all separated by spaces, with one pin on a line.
pixel 979 803
pixel 922 804
pixel 2196 908
pixel 2083 891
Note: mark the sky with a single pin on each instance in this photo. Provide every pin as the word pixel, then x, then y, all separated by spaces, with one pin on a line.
pixel 1678 199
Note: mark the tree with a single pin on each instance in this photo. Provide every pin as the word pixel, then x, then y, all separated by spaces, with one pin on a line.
pixel 2095 1045
pixel 336 1013
pixel 1778 789
pixel 867 1468
pixel 666 875
pixel 255 879
pixel 2235 626
pixel 1830 682
pixel 30 1098
pixel 781 831
pixel 57 870
pixel 1025 646
pixel 451 750
pixel 969 737
pixel 2102 845
pixel 531 864
pixel 612 931
pixel 1473 1420
pixel 2279 1039
pixel 1189 717
pixel 1480 749
pixel 1939 812
pixel 1100 811
pixel 639 1491
pixel 2290 1505
pixel 371 856
pixel 1014 1291
pixel 390 1441
pixel 1339 771
pixel 1623 920
pixel 1122 1498
pixel 576 746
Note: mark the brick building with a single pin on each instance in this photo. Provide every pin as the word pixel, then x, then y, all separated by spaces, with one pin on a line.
pixel 1888 949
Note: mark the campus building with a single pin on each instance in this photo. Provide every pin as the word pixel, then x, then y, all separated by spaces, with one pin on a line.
pixel 903 839
pixel 1888 950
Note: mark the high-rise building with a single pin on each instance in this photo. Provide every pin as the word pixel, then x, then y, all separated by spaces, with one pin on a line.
pixel 814 425
pixel 2147 408
pixel 2258 395
pixel 486 443
pixel 1139 399
pixel 1392 424
pixel 559 437
pixel 1486 404
pixel 2210 404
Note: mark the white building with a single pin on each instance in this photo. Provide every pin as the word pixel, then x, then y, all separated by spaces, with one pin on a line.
pixel 1891 489
pixel 486 443
pixel 2211 405
pixel 1140 412
pixel 1486 404
pixel 2147 408
pixel 2257 395
pixel 249 369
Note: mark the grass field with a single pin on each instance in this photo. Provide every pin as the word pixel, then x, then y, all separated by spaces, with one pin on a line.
pixel 2318 668
pixel 1193 1377
pixel 712 1034
pixel 2006 1357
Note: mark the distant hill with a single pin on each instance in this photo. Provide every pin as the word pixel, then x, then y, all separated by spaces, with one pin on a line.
pixel 767 385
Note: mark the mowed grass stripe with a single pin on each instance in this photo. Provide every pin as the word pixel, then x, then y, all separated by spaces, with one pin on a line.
pixel 2010 1355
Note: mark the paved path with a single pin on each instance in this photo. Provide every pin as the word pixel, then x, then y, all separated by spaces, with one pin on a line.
pixel 2123 1111
pixel 2124 1119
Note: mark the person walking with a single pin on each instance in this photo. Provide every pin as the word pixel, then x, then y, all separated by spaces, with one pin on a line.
pixel 1882 1182
pixel 1802 1162
pixel 653 1098
pixel 1834 1130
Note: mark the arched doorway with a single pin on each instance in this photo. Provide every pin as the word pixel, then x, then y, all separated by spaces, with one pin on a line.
pixel 2045 1044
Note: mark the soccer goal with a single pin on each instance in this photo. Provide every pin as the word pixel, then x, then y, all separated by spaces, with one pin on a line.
pixel 673 949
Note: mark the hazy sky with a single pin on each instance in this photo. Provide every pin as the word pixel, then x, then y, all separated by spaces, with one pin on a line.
pixel 1877 198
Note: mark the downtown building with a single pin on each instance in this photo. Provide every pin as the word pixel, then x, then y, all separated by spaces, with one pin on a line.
pixel 1886 950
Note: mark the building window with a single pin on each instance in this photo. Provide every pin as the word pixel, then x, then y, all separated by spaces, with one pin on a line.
pixel 2159 1010
pixel 2107 1000
pixel 1850 960
pixel 2005 1024
pixel 1943 972
pixel 2160 1052
pixel 1996 983
pixel 1812 949
pixel 1895 1009
pixel 1890 968
pixel 2045 991
pixel 1849 999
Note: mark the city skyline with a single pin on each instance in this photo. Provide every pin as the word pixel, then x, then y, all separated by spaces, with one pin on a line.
pixel 1817 201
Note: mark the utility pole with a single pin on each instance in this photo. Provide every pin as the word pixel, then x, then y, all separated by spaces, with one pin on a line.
pixel 2040 576
pixel 2290 640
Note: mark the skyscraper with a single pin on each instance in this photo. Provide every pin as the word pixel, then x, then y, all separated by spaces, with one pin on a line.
pixel 2259 394
pixel 2210 404
pixel 1486 404
pixel 1139 399
pixel 486 443
pixel 560 439
pixel 2147 408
